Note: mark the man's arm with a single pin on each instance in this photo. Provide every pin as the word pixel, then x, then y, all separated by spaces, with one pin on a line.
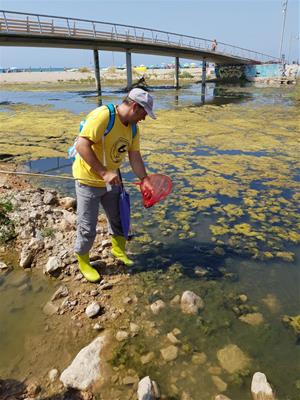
pixel 138 167
pixel 137 164
pixel 84 149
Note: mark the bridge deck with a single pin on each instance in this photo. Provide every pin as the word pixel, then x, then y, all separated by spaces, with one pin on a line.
pixel 33 30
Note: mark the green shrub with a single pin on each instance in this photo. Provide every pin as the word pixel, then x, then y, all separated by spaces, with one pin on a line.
pixel 84 69
pixel 186 75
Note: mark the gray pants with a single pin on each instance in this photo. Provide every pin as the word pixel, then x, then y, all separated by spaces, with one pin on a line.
pixel 89 199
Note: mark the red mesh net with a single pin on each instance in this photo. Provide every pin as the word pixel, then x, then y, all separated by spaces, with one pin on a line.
pixel 161 187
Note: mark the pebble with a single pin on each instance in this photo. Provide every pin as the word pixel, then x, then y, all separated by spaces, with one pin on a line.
pixel 147 358
pixel 92 309
pixel 98 327
pixel 199 358
pixel 53 374
pixel 121 336
pixel 172 338
pixel 62 291
pixel 3 266
pixel 169 353
pixel 52 265
pixel 157 306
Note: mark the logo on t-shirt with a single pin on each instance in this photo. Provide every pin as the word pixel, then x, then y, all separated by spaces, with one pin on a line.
pixel 118 150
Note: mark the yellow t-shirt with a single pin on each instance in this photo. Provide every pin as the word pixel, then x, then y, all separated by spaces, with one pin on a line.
pixel 117 143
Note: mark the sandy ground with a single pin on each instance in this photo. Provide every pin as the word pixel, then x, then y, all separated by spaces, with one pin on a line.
pixel 37 77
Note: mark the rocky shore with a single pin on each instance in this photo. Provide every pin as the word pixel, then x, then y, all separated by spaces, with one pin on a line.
pixel 42 233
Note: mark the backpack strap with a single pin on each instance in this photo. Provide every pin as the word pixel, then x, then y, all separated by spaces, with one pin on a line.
pixel 112 117
pixel 134 130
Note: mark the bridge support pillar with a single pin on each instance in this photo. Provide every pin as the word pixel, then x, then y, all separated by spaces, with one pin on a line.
pixel 177 72
pixel 97 75
pixel 204 65
pixel 128 69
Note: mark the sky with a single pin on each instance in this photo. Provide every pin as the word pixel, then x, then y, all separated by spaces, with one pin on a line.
pixel 251 24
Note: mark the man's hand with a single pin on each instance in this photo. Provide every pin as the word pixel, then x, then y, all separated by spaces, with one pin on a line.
pixel 148 189
pixel 111 177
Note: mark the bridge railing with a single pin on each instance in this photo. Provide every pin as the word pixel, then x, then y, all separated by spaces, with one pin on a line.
pixel 39 24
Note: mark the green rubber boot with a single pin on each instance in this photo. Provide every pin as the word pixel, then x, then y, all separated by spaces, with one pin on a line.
pixel 118 250
pixel 90 273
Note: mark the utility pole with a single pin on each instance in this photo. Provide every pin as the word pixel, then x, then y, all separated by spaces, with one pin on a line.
pixel 284 8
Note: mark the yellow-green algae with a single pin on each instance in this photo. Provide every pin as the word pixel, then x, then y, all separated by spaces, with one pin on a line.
pixel 258 180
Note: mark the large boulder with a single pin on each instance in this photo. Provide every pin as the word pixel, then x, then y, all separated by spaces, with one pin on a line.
pixel 260 387
pixel 191 303
pixel 86 366
pixel 233 359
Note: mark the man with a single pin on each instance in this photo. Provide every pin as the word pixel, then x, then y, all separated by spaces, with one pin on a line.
pixel 95 168
pixel 214 45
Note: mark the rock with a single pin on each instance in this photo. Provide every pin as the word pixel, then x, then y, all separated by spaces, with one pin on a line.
pixel 221 397
pixel 260 388
pixel 36 243
pixel 215 370
pixel 172 338
pixel 53 375
pixel 199 358
pixel 52 265
pixel 121 336
pixel 26 257
pixel 232 359
pixel 145 389
pixel 191 303
pixel 3 266
pixel 49 198
pixel 157 306
pixel 86 366
pixel 169 353
pixel 105 243
pixel 93 309
pixel 67 203
pixel 219 383
pixel 33 389
pixel 253 319
pixel 243 298
pixel 98 327
pixel 134 328
pixel 185 396
pixel 105 286
pixel 62 291
pixel 50 308
pixel 200 271
pixel 130 380
pixel 176 331
pixel 272 303
pixel 175 301
pixel 145 359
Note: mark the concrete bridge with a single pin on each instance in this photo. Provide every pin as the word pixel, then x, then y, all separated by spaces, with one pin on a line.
pixel 37 30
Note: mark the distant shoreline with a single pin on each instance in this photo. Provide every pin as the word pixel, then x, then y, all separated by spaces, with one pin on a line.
pixel 109 75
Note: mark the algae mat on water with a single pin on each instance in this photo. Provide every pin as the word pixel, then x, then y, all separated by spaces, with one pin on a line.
pixel 238 162
pixel 235 166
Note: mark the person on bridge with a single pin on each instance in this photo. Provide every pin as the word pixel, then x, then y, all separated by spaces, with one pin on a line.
pixel 99 156
pixel 214 45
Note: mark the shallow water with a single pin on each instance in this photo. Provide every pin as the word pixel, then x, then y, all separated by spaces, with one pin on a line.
pixel 234 211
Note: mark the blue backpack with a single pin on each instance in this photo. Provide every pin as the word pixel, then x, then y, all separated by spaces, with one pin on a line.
pixel 72 152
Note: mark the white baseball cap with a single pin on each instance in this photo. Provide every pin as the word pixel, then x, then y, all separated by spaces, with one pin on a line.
pixel 144 99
